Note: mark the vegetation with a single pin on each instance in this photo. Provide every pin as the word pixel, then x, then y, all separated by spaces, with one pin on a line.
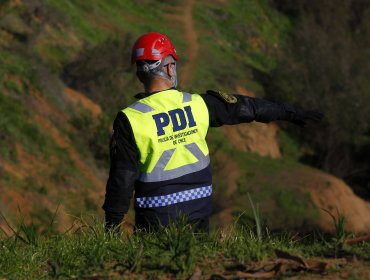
pixel 87 251
pixel 248 35
pixel 324 65
pixel 46 45
pixel 53 153
pixel 282 202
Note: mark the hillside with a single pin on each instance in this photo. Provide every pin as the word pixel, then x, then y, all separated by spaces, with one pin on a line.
pixel 65 72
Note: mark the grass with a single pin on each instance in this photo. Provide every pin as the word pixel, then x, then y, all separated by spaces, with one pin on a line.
pixel 17 76
pixel 89 251
pixel 234 39
pixel 95 21
pixel 15 129
pixel 14 64
pixel 238 36
pixel 289 146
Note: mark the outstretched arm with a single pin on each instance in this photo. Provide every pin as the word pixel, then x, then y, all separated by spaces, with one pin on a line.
pixel 235 109
pixel 122 174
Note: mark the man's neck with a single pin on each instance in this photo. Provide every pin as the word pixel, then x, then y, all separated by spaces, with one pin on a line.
pixel 158 85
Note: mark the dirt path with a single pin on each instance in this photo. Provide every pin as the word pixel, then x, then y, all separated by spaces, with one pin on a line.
pixel 192 42
pixel 185 17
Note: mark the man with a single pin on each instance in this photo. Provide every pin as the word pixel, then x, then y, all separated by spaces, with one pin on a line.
pixel 158 148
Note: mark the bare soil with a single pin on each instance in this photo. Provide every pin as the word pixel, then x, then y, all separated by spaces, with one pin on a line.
pixel 254 137
pixel 184 15
pixel 29 167
pixel 78 98
pixel 331 194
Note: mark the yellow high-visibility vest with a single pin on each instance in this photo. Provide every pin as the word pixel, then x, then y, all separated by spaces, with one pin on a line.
pixel 169 128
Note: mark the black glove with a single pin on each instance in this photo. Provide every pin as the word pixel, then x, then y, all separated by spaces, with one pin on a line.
pixel 300 117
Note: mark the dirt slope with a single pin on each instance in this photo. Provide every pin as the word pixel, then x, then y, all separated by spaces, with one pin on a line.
pixel 254 137
pixel 80 99
pixel 332 194
pixel 326 191
pixel 39 185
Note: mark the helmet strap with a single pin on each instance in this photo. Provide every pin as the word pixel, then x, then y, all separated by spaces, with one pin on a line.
pixel 159 72
pixel 156 68
pixel 148 67
pixel 174 77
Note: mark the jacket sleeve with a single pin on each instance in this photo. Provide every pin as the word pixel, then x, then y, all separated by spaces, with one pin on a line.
pixel 123 171
pixel 247 109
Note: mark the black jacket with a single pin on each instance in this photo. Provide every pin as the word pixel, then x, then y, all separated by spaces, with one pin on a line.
pixel 223 109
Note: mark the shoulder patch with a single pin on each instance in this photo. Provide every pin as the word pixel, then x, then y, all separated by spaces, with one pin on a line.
pixel 229 98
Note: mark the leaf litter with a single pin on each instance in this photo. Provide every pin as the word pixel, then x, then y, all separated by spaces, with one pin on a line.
pixel 286 263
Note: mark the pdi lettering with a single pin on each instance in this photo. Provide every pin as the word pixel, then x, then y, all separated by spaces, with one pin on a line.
pixel 180 119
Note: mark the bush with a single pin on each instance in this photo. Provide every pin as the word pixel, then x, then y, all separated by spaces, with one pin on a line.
pixel 104 73
pixel 325 66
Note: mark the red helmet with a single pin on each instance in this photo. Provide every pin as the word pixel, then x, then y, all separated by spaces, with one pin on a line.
pixel 152 46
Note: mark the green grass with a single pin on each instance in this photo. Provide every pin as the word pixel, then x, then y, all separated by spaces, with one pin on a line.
pixel 289 146
pixel 14 128
pixel 15 123
pixel 14 64
pixel 235 37
pixel 89 251
pixel 96 20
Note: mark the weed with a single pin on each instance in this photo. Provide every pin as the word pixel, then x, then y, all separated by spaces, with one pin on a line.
pixel 177 241
pixel 257 219
pixel 341 235
pixel 90 251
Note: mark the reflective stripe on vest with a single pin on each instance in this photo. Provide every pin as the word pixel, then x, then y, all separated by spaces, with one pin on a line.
pixel 166 200
pixel 170 129
pixel 143 108
pixel 160 174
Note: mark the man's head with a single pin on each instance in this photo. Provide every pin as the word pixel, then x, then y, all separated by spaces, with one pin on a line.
pixel 155 59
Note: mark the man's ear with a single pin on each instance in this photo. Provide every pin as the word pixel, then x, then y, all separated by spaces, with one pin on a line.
pixel 171 70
